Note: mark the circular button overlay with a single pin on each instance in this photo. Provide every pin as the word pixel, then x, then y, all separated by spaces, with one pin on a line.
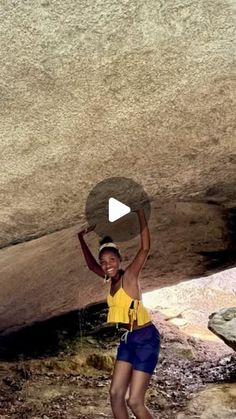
pixel 117 198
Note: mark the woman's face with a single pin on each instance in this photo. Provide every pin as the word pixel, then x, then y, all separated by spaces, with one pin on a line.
pixel 110 263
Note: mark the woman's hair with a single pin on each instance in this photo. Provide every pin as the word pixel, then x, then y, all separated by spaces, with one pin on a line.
pixel 106 243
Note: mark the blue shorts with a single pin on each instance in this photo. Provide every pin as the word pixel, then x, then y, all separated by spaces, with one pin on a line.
pixel 141 348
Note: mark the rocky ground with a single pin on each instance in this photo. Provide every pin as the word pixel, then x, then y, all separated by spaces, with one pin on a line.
pixel 74 383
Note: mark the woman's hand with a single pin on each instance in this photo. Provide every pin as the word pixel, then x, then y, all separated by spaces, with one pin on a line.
pixel 138 210
pixel 86 230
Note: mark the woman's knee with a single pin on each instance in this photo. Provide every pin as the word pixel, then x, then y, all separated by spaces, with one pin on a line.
pixel 135 404
pixel 117 395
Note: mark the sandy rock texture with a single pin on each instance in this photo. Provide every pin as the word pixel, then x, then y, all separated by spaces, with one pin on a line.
pixel 144 90
pixel 91 90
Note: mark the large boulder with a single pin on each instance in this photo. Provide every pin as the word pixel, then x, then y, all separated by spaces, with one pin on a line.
pixel 143 90
pixel 223 324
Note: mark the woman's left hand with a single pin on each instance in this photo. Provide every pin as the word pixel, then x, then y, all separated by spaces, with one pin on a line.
pixel 138 210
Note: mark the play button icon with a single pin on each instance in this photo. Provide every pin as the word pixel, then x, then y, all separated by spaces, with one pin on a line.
pixel 116 209
pixel 111 204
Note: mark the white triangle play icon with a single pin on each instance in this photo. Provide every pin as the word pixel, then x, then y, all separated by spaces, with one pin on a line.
pixel 116 209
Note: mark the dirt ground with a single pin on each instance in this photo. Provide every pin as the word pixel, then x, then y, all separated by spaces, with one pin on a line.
pixel 75 383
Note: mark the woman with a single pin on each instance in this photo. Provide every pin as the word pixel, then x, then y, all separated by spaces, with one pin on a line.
pixel 138 352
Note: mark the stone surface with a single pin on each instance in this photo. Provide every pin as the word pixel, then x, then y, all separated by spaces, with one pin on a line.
pixel 214 402
pixel 189 304
pixel 91 90
pixel 223 324
pixel 182 351
pixel 88 91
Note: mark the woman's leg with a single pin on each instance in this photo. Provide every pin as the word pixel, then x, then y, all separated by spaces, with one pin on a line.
pixel 119 385
pixel 138 386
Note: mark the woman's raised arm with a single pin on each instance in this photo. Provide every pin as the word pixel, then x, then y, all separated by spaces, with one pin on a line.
pixel 90 259
pixel 137 264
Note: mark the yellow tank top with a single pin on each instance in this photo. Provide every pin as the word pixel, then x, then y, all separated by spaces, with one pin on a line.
pixel 120 311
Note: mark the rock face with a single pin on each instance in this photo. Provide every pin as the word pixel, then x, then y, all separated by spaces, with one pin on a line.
pixel 91 91
pixel 223 324
pixel 190 303
pixel 142 90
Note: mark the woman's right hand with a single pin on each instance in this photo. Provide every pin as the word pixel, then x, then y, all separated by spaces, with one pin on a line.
pixel 86 230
